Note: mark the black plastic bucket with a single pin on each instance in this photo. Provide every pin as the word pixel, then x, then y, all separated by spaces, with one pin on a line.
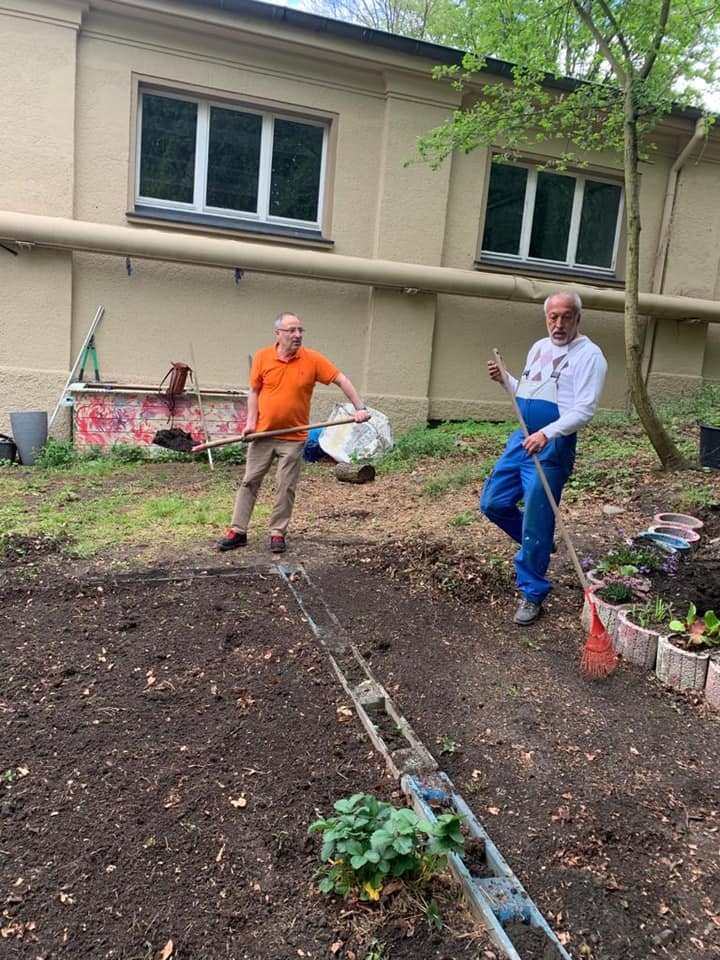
pixel 709 446
pixel 8 450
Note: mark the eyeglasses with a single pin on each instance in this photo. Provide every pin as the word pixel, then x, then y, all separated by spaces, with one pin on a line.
pixel 291 329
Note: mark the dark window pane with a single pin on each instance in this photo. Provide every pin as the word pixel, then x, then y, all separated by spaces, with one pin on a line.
pixel 234 160
pixel 601 203
pixel 167 151
pixel 551 218
pixel 504 214
pixel 296 161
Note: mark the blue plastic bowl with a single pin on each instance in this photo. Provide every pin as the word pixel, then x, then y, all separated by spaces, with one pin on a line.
pixel 666 540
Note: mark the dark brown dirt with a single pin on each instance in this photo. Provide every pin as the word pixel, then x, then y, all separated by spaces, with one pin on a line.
pixel 168 735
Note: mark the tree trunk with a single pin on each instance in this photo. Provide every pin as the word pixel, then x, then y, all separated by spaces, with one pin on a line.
pixel 355 472
pixel 670 457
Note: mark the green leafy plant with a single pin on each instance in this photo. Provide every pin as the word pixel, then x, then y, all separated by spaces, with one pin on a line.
pixel 464 519
pixel 375 951
pixel 695 632
pixel 628 557
pixel 56 453
pixel 625 589
pixel 370 842
pixel 447 745
pixel 654 611
pixel 434 917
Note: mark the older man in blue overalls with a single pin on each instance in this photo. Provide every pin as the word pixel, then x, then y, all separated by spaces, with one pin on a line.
pixel 557 394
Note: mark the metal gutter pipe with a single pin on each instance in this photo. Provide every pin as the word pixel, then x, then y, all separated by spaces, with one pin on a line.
pixel 154 244
pixel 661 256
pixel 701 129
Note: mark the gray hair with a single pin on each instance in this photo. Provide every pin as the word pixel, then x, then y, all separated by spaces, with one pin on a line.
pixel 575 297
pixel 281 316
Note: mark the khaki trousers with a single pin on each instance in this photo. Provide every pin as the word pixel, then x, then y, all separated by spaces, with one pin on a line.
pixel 260 456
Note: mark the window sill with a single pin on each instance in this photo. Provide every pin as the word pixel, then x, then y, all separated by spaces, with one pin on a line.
pixel 228 226
pixel 562 271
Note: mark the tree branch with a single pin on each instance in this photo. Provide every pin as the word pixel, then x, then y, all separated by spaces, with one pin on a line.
pixel 657 40
pixel 618 69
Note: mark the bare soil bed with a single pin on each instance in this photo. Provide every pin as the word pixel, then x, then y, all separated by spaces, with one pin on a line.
pixel 170 731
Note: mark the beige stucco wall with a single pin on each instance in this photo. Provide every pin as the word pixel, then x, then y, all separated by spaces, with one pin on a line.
pixel 37 117
pixel 76 65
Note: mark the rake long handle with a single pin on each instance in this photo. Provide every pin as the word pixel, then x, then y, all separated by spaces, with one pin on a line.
pixel 200 405
pixel 541 473
pixel 240 438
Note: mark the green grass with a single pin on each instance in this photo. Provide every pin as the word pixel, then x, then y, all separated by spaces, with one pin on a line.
pixel 462 476
pixel 464 519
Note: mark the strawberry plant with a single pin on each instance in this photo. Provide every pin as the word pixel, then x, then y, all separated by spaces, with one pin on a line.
pixel 369 842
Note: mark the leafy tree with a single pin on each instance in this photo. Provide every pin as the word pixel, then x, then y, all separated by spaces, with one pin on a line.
pixel 408 18
pixel 635 60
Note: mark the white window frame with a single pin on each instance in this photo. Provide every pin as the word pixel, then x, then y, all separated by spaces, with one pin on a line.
pixel 202 141
pixel 570 261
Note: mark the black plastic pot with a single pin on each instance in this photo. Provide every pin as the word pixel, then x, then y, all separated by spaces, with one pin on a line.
pixel 709 446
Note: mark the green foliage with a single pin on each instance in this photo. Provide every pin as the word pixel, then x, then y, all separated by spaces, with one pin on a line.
pixel 467 473
pixel 230 453
pixel 413 445
pixel 61 454
pixel 375 950
pixel 697 496
pixel 127 453
pixel 370 842
pixel 628 557
pixel 695 632
pixel 625 590
pixel 661 60
pixel 464 519
pixel 447 745
pixel 467 438
pixel 654 611
pixel 701 405
pixel 56 453
pixel 434 917
pixel 589 476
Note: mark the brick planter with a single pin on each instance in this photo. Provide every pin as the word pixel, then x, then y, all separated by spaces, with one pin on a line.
pixel 712 682
pixel 680 669
pixel 634 643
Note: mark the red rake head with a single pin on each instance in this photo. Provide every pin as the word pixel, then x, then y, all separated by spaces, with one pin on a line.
pixel 598 659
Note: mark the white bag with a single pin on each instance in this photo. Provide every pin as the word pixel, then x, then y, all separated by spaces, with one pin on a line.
pixel 356 441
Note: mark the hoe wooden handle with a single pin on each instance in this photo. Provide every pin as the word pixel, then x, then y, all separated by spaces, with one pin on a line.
pixel 240 438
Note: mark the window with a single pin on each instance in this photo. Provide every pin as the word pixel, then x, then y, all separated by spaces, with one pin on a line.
pixel 552 219
pixel 202 158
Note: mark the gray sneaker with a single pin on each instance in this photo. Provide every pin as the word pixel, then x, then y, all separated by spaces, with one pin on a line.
pixel 527 612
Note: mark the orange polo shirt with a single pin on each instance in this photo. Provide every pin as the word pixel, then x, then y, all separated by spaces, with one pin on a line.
pixel 285 388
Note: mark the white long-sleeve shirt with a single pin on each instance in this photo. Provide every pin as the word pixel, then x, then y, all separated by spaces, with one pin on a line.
pixel 580 384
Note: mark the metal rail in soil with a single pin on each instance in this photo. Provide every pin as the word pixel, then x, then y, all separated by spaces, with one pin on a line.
pixel 493 892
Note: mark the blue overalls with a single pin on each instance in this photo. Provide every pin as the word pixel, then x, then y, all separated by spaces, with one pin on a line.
pixel 516 478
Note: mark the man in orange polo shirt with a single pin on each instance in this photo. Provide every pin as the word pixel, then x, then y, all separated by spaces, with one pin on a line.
pixel 282 380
